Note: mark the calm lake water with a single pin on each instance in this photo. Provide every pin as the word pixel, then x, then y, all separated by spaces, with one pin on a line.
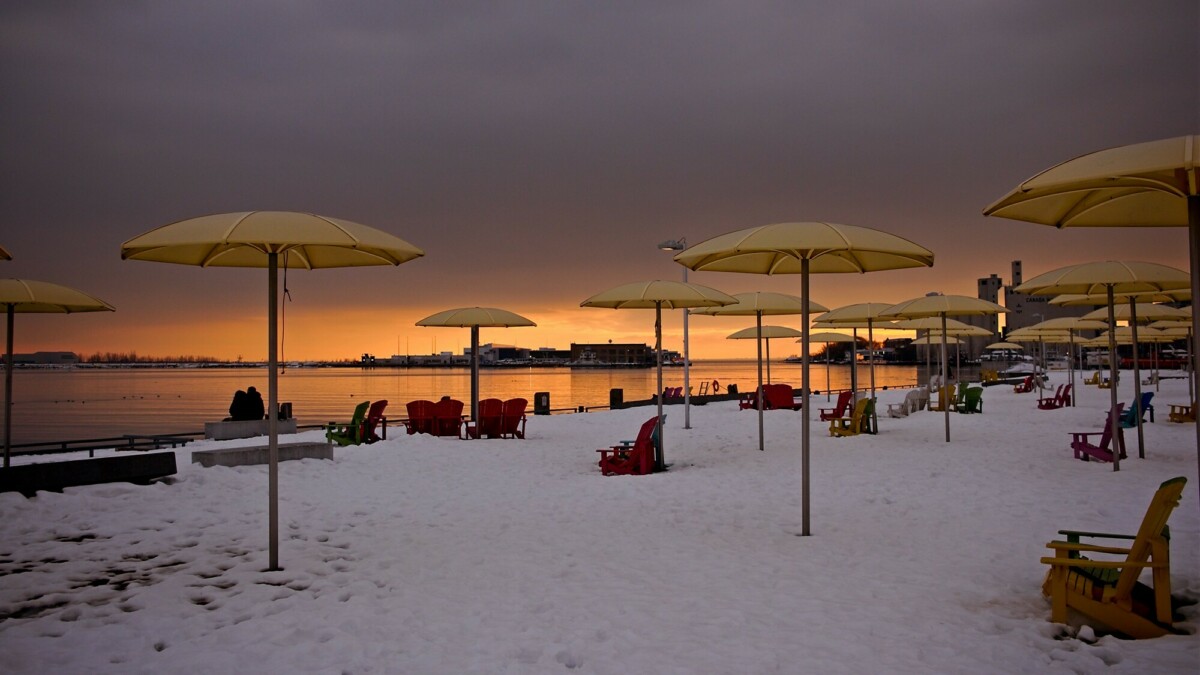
pixel 55 405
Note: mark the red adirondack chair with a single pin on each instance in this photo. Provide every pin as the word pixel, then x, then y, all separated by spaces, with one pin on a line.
pixel 631 459
pixel 420 417
pixel 1085 450
pixel 448 418
pixel 1052 402
pixel 512 418
pixel 779 397
pixel 839 408
pixel 488 425
pixel 1024 386
pixel 375 422
pixel 748 401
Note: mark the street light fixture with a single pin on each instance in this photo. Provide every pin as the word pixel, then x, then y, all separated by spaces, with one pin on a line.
pixel 672 246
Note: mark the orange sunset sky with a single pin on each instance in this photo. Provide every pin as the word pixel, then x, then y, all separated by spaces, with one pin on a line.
pixel 539 153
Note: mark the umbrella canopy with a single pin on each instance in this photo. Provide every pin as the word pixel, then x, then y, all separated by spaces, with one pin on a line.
pixel 473 318
pixel 656 295
pixel 942 306
pixel 1144 311
pixel 41 297
pixel 1100 299
pixel 5 255
pixel 1110 277
pixel 764 332
pixel 1004 345
pixel 1153 184
pixel 758 304
pixel 804 248
pixel 852 315
pixel 270 239
pixel 936 340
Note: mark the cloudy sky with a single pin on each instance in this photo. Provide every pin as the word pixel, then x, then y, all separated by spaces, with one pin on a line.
pixel 538 151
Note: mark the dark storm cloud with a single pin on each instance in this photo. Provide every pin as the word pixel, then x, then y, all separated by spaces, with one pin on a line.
pixel 558 141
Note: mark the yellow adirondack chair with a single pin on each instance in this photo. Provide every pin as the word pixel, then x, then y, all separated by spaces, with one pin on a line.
pixel 1094 379
pixel 852 425
pixel 1182 413
pixel 945 398
pixel 1108 590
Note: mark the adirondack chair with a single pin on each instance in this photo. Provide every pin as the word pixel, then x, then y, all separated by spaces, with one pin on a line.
pixel 420 417
pixel 922 398
pixel 1024 386
pixel 1108 591
pixel 1085 449
pixel 375 423
pixel 1052 402
pixel 349 433
pixel 1094 379
pixel 488 425
pixel 1182 413
pixel 779 397
pixel 512 418
pixel 635 457
pixel 960 396
pixel 972 401
pixel 1066 396
pixel 748 401
pixel 448 418
pixel 945 397
pixel 854 424
pixel 839 408
pixel 905 407
pixel 1129 417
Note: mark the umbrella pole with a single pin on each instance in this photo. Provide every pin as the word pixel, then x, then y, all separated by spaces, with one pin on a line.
pixel 827 372
pixel 871 362
pixel 945 399
pixel 8 375
pixel 768 341
pixel 1137 375
pixel 660 459
pixel 1193 206
pixel 805 423
pixel 475 376
pixel 1114 423
pixel 758 397
pixel 273 408
pixel 1071 365
pixel 853 362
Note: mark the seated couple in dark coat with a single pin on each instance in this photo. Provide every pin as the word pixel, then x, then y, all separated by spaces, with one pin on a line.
pixel 247 405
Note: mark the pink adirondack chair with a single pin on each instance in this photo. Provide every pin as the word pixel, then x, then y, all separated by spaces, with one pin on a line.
pixel 631 459
pixel 1052 402
pixel 448 418
pixel 839 408
pixel 512 418
pixel 1086 450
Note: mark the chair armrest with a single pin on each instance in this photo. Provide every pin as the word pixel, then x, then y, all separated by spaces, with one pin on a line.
pixel 1073 535
pixel 1090 548
pixel 1084 434
pixel 1106 564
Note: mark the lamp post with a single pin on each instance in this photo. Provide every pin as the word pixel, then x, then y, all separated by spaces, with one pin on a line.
pixel 672 246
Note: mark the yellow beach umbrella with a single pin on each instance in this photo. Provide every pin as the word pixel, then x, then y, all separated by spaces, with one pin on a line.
pixel 804 248
pixel 40 297
pixel 1152 184
pixel 270 239
pixel 657 295
pixel 1110 277
pixel 473 318
pixel 758 304
pixel 829 337
pixel 942 307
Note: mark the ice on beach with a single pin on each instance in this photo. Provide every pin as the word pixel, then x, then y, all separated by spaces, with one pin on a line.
pixel 428 555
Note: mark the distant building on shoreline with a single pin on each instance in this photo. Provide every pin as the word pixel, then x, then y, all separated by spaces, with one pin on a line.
pixel 45 359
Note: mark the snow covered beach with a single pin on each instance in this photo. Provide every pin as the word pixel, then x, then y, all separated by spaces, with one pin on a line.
pixel 425 555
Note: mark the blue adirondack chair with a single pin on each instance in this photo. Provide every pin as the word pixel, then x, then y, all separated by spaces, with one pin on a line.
pixel 1129 417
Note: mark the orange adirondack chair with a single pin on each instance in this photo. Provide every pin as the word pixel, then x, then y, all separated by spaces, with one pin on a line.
pixel 512 418
pixel 634 458
pixel 420 417
pixel 1109 591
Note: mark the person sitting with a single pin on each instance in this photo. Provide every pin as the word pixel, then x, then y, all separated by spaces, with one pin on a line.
pixel 237 409
pixel 255 409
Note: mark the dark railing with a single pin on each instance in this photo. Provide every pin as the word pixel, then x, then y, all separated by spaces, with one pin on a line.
pixel 138 442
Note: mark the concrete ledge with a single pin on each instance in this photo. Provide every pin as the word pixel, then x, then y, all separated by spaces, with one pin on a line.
pixel 228 430
pixel 260 454
pixel 29 478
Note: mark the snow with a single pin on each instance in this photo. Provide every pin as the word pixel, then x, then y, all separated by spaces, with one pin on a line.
pixel 427 555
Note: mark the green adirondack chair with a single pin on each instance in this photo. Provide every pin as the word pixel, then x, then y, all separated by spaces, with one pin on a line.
pixel 972 401
pixel 350 433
